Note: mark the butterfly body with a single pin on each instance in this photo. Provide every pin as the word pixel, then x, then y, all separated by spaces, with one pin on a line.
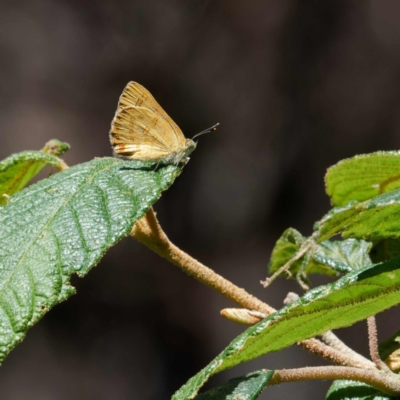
pixel 142 130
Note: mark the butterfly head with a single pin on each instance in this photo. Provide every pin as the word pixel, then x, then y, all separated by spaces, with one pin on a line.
pixel 190 145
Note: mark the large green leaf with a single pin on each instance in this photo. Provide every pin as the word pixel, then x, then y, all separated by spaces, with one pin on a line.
pixel 247 387
pixel 373 219
pixel 351 390
pixel 363 177
pixel 329 257
pixel 354 297
pixel 63 225
pixel 17 170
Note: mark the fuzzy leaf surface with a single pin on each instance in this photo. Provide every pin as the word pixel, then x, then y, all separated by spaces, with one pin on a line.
pixel 363 177
pixel 247 387
pixel 63 225
pixel 354 297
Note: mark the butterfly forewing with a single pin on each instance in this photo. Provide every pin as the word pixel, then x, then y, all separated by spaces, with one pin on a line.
pixel 142 130
pixel 135 95
pixel 137 131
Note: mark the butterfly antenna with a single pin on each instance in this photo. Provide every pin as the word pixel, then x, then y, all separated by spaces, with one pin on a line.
pixel 213 128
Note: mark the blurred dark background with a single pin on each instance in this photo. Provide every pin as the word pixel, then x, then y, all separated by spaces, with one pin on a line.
pixel 296 85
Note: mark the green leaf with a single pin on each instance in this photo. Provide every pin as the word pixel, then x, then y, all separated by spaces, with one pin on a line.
pixel 354 297
pixel 247 387
pixel 363 177
pixel 328 258
pixel 17 170
pixel 343 256
pixel 63 225
pixel 373 219
pixel 352 390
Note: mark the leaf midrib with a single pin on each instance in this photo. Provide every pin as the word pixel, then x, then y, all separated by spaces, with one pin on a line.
pixel 44 227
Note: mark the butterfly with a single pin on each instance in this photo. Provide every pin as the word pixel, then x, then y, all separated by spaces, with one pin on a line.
pixel 142 130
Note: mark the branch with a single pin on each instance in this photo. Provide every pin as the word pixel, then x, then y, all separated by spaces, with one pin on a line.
pixel 387 383
pixel 337 357
pixel 333 341
pixel 149 232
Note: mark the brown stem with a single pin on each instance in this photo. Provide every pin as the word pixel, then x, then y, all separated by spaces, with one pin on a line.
pixel 333 341
pixel 149 232
pixel 337 357
pixel 373 344
pixel 387 383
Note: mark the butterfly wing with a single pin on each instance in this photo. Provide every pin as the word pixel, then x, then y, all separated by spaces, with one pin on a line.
pixel 140 134
pixel 130 125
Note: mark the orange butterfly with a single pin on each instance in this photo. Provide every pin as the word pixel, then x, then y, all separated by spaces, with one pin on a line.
pixel 142 130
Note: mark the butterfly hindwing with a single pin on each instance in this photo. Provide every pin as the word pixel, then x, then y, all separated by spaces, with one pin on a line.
pixel 142 130
pixel 135 95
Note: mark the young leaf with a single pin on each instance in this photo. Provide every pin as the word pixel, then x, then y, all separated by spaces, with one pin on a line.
pixel 55 147
pixel 370 220
pixel 363 177
pixel 17 170
pixel 352 390
pixel 354 297
pixel 63 225
pixel 328 258
pixel 247 387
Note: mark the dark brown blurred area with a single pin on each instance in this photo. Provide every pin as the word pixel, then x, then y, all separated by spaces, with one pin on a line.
pixel 296 86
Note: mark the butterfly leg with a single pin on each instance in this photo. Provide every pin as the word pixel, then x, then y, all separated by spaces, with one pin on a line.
pixel 157 165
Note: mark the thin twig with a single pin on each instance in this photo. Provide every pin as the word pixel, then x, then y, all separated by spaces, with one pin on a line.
pixel 149 232
pixel 387 383
pixel 285 268
pixel 332 340
pixel 373 344
pixel 335 356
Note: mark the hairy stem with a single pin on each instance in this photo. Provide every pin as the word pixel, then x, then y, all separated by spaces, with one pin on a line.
pixel 333 341
pixel 373 344
pixel 149 232
pixel 387 383
pixel 337 357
